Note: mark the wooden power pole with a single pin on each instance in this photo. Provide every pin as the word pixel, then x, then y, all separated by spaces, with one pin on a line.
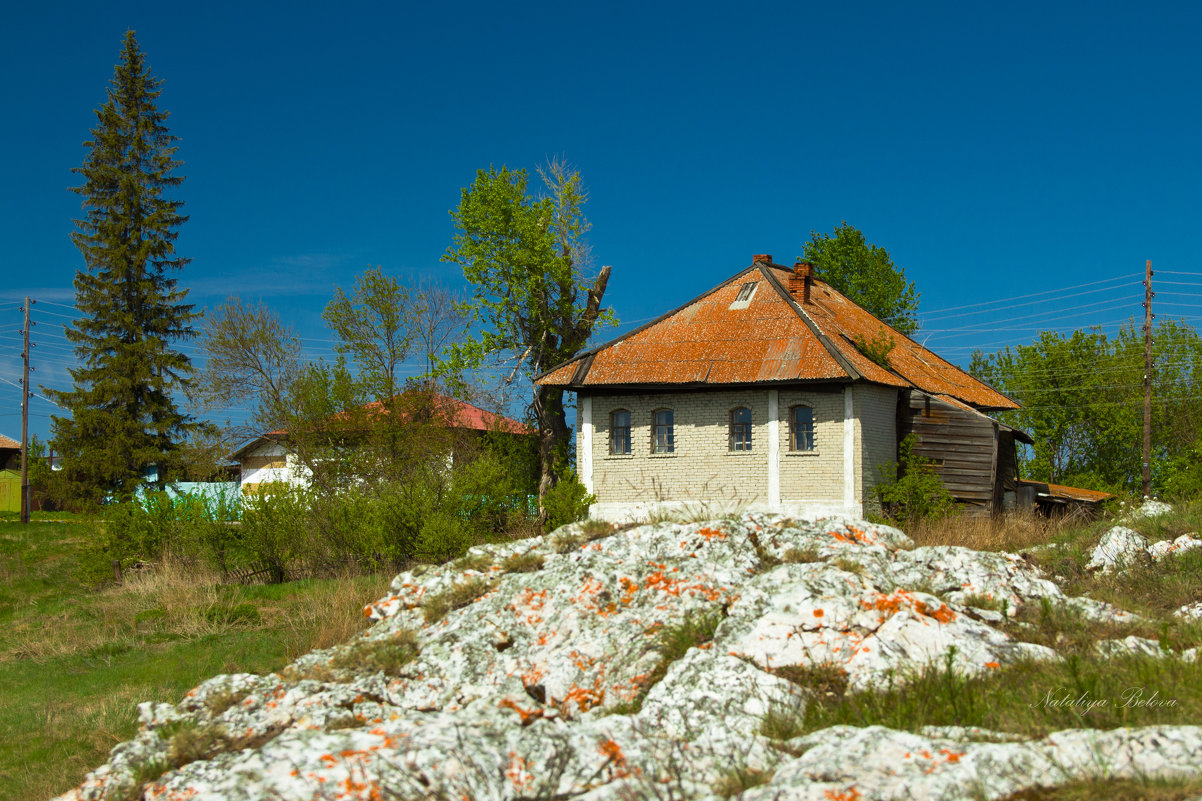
pixel 25 393
pixel 1147 476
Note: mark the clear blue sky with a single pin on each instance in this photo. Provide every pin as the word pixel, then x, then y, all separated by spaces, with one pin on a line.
pixel 995 150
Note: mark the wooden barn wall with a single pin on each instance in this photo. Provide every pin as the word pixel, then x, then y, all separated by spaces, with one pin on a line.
pixel 960 443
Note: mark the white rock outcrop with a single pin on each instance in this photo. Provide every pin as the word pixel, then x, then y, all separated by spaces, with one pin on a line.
pixel 553 682
pixel 1149 508
pixel 1119 547
pixel 1183 544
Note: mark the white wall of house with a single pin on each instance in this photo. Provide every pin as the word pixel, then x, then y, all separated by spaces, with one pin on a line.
pixel 270 463
pixel 702 473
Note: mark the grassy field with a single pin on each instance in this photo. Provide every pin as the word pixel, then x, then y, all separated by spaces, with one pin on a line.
pixel 75 660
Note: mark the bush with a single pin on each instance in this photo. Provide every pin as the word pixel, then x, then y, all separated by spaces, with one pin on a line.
pixel 917 493
pixel 567 502
pixel 186 527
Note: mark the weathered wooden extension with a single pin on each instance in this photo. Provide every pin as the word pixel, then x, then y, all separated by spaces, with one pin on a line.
pixel 974 454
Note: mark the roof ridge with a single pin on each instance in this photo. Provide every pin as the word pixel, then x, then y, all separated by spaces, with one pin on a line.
pixel 580 376
pixel 821 335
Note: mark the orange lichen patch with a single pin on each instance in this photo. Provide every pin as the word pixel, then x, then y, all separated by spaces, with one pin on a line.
pixel 952 756
pixel 612 752
pixel 943 614
pixel 712 534
pixel 894 602
pixel 850 794
pixel 992 665
pixel 517 772
pixel 584 698
pixel 819 613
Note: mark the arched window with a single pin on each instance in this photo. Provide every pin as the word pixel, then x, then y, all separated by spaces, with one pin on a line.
pixel 740 429
pixel 619 431
pixel 663 432
pixel 801 428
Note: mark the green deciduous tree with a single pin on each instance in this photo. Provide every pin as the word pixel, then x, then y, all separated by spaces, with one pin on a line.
pixel 251 359
pixel 372 326
pixel 1082 397
pixel 124 414
pixel 526 260
pixel 866 274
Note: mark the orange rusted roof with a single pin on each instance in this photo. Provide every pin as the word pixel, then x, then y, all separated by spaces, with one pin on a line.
pixel 1077 494
pixel 772 338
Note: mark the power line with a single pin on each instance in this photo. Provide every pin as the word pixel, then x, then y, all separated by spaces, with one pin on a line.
pixel 1028 303
pixel 1035 294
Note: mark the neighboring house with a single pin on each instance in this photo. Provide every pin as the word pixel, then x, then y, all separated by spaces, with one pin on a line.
pixel 755 395
pixel 269 459
pixel 10 474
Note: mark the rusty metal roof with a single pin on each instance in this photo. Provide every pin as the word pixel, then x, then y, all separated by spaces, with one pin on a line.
pixel 774 337
pixel 1061 493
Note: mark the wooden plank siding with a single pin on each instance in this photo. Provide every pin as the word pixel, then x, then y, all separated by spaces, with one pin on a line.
pixel 963 444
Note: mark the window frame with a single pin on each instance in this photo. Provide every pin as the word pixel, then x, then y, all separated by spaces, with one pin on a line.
pixel 670 430
pixel 739 434
pixel 614 428
pixel 793 430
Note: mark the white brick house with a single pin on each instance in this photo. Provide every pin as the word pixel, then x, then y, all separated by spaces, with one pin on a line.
pixel 270 460
pixel 754 395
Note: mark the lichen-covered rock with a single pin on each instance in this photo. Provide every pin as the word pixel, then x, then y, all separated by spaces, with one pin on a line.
pixel 844 762
pixel 1149 508
pixel 1119 547
pixel 598 665
pixel 1183 544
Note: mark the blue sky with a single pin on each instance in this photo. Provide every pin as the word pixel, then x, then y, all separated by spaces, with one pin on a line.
pixel 996 150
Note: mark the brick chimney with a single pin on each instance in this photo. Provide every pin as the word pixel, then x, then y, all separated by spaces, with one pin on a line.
pixel 799 281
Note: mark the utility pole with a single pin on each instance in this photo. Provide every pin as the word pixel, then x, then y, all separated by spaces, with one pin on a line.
pixel 1147 477
pixel 25 393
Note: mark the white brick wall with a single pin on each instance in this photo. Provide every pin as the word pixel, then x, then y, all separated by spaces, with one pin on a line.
pixel 703 471
pixel 876 416
pixel 290 473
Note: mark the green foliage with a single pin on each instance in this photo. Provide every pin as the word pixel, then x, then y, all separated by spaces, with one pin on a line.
pixel 876 349
pixel 866 274
pixel 525 258
pixel 567 502
pixel 156 525
pixel 1082 398
pixel 251 357
pixel 371 327
pixel 913 491
pixel 124 413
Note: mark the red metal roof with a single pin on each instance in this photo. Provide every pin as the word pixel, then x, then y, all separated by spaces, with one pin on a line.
pixel 774 337
pixel 456 413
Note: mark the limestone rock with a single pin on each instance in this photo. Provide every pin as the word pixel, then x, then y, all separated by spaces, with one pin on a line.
pixel 538 683
pixel 1184 543
pixel 1118 548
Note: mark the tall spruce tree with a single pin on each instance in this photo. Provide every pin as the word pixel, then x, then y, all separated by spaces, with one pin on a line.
pixel 124 417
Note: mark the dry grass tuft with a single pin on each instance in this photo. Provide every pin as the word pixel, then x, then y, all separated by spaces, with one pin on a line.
pixel 1012 532
pixel 459 595
pixel 331 612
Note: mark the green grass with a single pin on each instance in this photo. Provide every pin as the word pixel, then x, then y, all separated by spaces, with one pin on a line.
pixel 1028 698
pixel 75 661
pixel 1115 790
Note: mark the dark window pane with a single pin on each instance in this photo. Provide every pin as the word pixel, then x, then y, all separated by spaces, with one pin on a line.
pixel 801 429
pixel 664 440
pixel 740 429
pixel 619 432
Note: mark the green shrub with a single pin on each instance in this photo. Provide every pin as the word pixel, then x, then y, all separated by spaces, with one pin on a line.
pixel 876 349
pixel 915 491
pixel 567 502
